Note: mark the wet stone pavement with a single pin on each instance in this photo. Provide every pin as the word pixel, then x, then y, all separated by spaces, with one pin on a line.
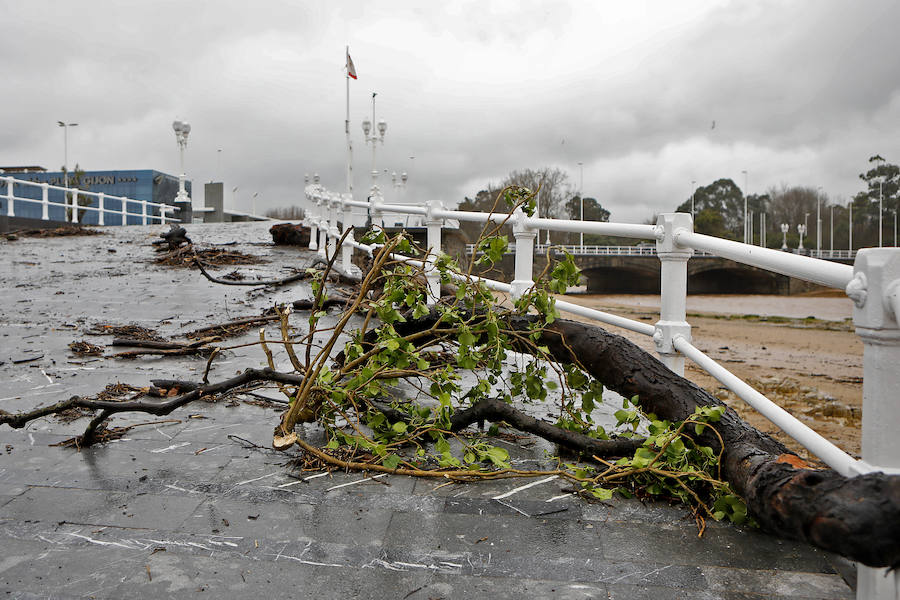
pixel 192 509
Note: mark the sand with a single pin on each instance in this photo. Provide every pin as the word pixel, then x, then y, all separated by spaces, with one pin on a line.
pixel 810 367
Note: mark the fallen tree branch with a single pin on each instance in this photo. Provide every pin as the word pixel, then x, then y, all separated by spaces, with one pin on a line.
pixel 857 517
pixel 257 283
pixel 159 344
pixel 496 411
pixel 151 406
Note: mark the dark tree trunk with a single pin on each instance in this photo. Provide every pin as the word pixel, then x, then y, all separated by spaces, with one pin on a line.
pixel 857 517
pixel 290 234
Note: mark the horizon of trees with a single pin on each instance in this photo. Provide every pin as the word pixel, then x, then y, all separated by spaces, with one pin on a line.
pixel 719 208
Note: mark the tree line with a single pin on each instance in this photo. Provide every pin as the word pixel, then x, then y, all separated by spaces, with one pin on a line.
pixel 557 198
pixel 718 209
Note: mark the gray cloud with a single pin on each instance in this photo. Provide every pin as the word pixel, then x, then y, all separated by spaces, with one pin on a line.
pixel 801 93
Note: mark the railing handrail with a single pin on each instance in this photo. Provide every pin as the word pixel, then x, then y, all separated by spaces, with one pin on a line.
pixel 11 182
pixel 674 243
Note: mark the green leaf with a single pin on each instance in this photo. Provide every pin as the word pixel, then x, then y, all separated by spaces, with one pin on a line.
pixel 399 427
pixel 391 461
pixel 420 310
pixel 498 456
pixel 442 446
pixel 601 493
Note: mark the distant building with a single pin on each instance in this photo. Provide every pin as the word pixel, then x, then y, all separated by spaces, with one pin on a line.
pixel 141 184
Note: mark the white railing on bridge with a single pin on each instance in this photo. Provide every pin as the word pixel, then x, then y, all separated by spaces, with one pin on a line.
pixel 650 250
pixel 873 283
pixel 69 203
pixel 586 250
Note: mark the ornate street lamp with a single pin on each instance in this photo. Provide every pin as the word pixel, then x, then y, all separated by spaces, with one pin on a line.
pixel 182 129
pixel 801 229
pixel 374 139
pixel 784 231
pixel 401 184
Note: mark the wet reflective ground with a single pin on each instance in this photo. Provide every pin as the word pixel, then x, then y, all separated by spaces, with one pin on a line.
pixel 193 507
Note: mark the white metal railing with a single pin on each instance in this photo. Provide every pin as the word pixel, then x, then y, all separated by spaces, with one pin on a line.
pixel 873 283
pixel 72 206
pixel 589 250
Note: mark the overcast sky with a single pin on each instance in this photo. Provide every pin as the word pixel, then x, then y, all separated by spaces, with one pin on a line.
pixel 801 93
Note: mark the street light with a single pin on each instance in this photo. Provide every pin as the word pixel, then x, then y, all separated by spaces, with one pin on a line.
pixel 693 191
pixel 65 127
pixel 182 129
pixel 832 228
pixel 784 231
pixel 374 139
pixel 745 205
pixel 581 196
pixel 880 201
pixel 895 227
pixel 401 184
pixel 801 229
pixel 850 226
pixel 818 221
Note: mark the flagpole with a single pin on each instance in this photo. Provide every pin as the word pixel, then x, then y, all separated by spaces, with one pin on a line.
pixel 347 125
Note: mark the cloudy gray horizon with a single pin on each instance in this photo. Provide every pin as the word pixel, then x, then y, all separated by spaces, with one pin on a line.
pixel 801 93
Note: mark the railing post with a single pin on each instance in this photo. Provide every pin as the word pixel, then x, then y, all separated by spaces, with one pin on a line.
pixel 124 211
pixel 875 290
pixel 45 201
pixel 143 212
pixel 74 206
pixel 333 231
pixel 525 237
pixel 347 248
pixel 432 276
pixel 162 213
pixel 312 218
pixel 673 288
pixel 100 198
pixel 375 210
pixel 10 209
pixel 323 227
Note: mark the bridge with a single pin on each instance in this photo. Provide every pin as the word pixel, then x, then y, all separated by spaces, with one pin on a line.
pixel 637 270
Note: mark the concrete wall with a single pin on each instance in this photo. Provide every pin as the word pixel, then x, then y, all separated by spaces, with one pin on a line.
pixel 214 197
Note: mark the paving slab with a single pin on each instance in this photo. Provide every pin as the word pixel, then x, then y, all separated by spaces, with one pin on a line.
pixel 204 506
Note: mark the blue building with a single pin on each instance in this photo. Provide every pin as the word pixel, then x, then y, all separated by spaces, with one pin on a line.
pixel 141 184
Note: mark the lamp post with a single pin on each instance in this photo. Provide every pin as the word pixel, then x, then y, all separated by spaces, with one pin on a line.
pixel 832 228
pixel 850 226
pixel 745 206
pixel 762 229
pixel 880 201
pixel 253 203
pixel 581 196
pixel 818 221
pixel 895 227
pixel 784 231
pixel 801 229
pixel 182 129
pixel 401 184
pixel 367 126
pixel 693 191
pixel 65 127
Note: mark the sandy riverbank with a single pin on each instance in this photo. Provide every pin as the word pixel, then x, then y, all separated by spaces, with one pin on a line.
pixel 811 367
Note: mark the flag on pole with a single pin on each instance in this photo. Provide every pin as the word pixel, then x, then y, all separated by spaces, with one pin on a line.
pixel 351 70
